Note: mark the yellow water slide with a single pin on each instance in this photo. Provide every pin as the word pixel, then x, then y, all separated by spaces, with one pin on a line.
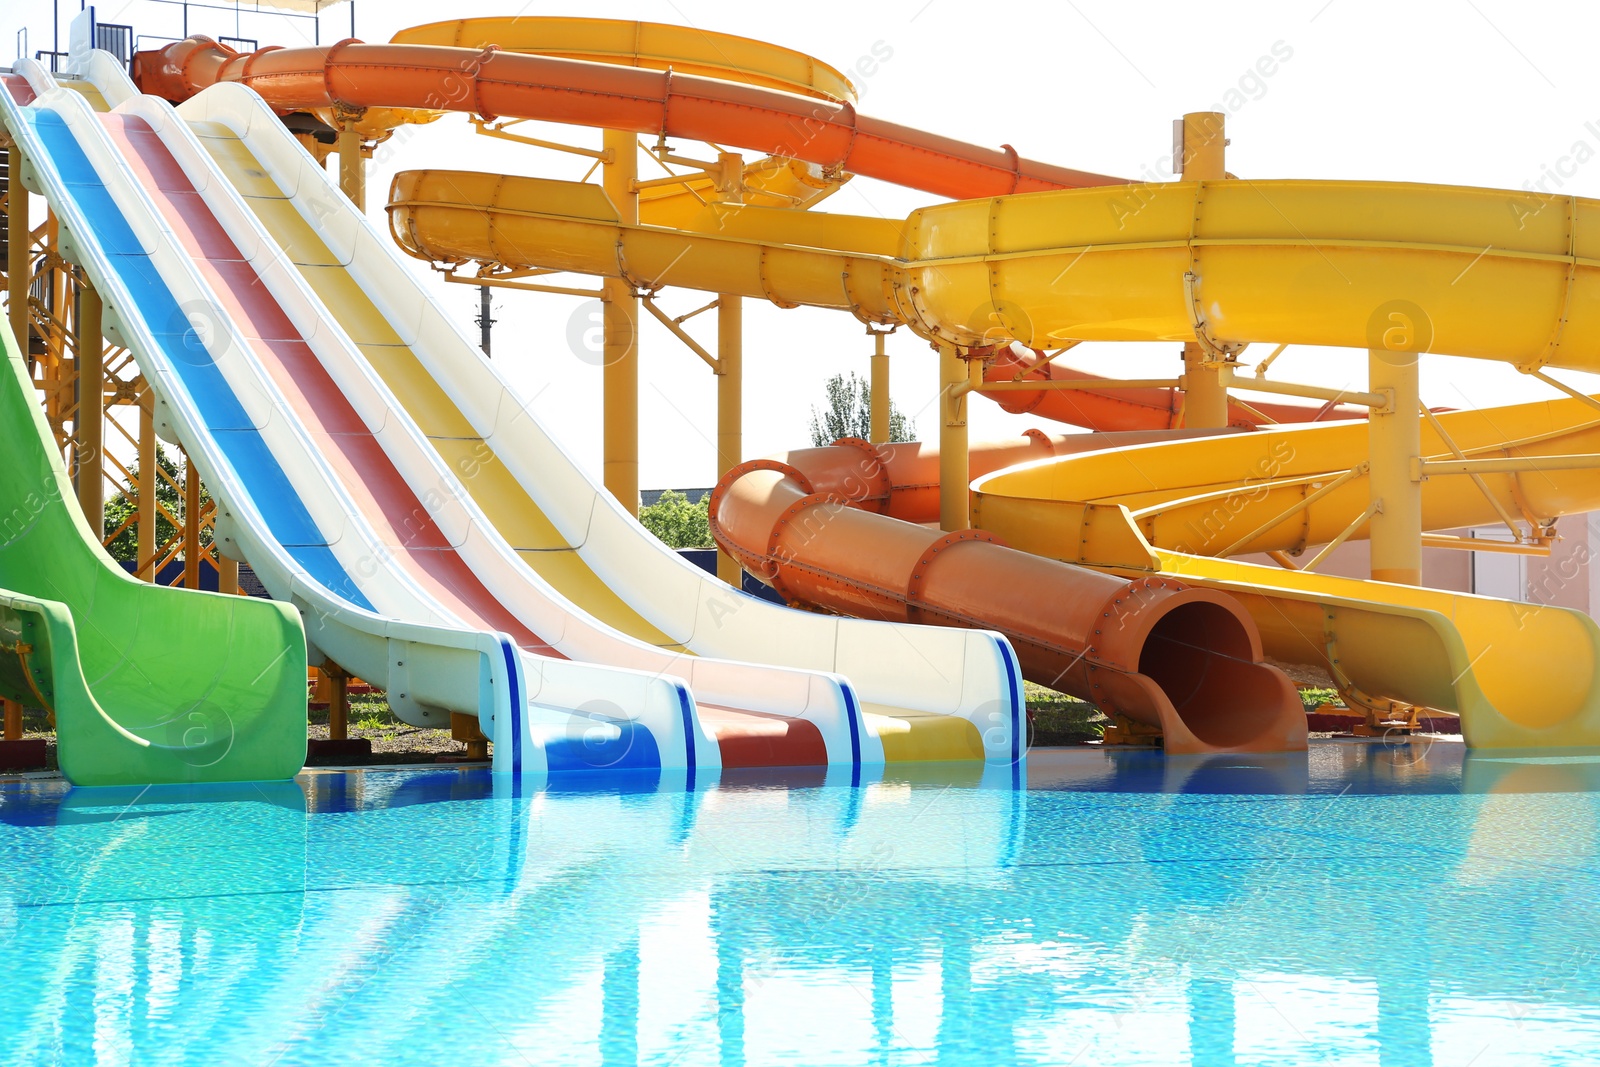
pixel 1170 509
pixel 1489 274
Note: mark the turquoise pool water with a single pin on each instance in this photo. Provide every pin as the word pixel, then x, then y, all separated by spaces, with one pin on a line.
pixel 1375 904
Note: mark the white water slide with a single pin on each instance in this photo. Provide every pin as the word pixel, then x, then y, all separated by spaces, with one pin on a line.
pixel 376 471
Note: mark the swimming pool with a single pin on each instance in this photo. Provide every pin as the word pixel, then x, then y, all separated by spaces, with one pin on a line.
pixel 1373 904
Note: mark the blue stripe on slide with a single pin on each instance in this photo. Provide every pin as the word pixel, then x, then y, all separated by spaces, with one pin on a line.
pixel 687 707
pixel 1014 686
pixel 854 713
pixel 509 651
pixel 174 333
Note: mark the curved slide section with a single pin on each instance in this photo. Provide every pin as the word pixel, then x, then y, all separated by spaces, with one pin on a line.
pixel 1186 661
pixel 649 45
pixel 499 84
pixel 569 531
pixel 159 255
pixel 1492 274
pixel 148 684
pixel 1381 643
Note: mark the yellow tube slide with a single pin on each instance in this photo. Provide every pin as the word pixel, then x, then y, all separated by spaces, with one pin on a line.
pixel 1495 275
pixel 1166 508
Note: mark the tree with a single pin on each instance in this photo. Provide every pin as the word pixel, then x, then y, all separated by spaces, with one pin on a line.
pixel 124 548
pixel 678 523
pixel 849 413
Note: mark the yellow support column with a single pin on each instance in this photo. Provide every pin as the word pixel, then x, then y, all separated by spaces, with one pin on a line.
pixel 13 719
pixel 191 525
pixel 352 168
pixel 730 405
pixel 19 236
pixel 878 415
pixel 1394 436
pixel 620 318
pixel 1201 154
pixel 227 575
pixel 149 480
pixel 955 382
pixel 91 419
pixel 335 688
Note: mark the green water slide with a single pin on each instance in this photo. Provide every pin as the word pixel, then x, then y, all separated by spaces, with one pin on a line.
pixel 148 684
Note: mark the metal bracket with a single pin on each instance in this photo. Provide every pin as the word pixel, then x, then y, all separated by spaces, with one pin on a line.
pixel 1216 351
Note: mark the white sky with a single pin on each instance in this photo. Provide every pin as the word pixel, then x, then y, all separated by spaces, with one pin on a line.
pixel 1476 92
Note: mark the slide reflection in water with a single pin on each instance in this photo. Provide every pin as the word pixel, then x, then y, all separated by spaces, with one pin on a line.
pixel 1121 908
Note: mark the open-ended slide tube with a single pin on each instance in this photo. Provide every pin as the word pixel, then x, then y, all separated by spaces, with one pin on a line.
pixel 1183 660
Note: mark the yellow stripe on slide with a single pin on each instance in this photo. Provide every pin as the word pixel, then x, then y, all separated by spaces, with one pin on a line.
pixel 913 737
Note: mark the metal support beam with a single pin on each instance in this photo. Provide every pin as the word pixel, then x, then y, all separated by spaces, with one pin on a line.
pixel 485 320
pixel 620 318
pixel 149 479
pixel 730 405
pixel 1394 435
pixel 352 168
pixel 1202 148
pixel 956 380
pixel 227 574
pixel 90 422
pixel 878 394
pixel 1483 544
pixel 13 719
pixel 336 690
pixel 1372 399
pixel 1202 157
pixel 19 237
pixel 1373 510
pixel 191 524
pixel 1509 465
pixel 1205 391
pixel 1095 384
pixel 675 326
pixel 532 287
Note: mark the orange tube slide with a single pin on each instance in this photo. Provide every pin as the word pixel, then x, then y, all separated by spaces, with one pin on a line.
pixel 1125 409
pixel 496 84
pixel 1184 661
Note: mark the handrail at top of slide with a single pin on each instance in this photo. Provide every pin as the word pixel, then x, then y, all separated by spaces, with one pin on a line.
pixel 498 84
